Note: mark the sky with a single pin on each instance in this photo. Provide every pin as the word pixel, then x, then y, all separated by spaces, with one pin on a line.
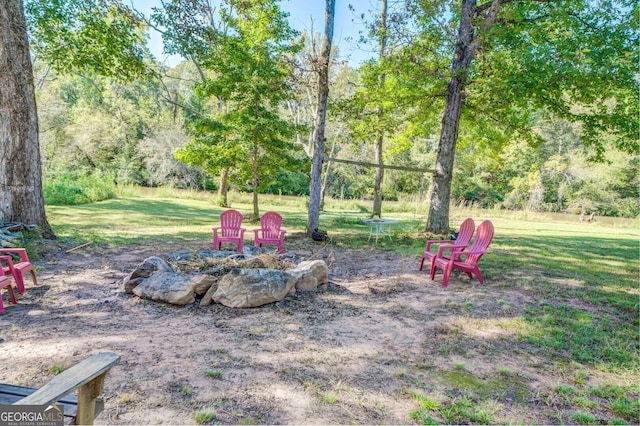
pixel 302 13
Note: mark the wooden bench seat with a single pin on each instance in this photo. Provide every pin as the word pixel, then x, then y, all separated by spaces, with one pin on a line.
pixel 87 377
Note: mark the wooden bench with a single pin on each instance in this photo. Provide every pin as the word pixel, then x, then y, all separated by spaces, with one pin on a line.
pixel 87 377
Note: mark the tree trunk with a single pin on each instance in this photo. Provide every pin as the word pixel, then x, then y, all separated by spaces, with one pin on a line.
pixel 327 173
pixel 379 176
pixel 223 190
pixel 21 198
pixel 315 187
pixel 438 221
pixel 254 175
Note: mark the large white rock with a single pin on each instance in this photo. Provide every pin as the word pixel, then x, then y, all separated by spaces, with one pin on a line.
pixel 310 274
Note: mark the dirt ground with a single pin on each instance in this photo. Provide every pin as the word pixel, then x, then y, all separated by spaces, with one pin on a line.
pixel 344 354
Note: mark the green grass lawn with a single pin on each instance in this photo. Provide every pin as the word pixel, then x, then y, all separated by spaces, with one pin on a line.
pixel 582 280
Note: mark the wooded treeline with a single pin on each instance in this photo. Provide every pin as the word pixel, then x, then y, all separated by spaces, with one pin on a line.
pixel 547 102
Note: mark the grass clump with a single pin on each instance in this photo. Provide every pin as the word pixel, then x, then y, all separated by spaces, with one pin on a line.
pixel 214 374
pixel 330 397
pixel 57 369
pixel 584 418
pixel 204 417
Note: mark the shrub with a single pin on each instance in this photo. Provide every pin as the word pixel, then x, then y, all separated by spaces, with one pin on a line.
pixel 68 188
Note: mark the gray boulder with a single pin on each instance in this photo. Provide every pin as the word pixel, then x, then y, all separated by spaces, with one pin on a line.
pixel 143 271
pixel 173 287
pixel 248 288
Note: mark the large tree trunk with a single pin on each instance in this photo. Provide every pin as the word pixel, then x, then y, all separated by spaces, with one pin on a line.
pixel 21 198
pixel 379 176
pixel 466 47
pixel 315 187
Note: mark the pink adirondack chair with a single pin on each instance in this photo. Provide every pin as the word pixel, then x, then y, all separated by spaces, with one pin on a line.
pixel 465 260
pixel 5 282
pixel 17 269
pixel 230 230
pixel 464 236
pixel 270 232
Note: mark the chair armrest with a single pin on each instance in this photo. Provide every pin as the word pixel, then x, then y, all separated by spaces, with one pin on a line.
pixel 22 252
pixel 431 242
pixel 72 379
pixel 9 263
pixel 455 249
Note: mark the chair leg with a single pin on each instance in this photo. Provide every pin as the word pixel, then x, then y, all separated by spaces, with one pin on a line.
pixel 19 279
pixel 446 275
pixel 421 264
pixel 33 275
pixel 12 295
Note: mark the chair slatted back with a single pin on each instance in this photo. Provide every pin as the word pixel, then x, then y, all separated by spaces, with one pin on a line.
pixel 270 223
pixel 484 235
pixel 466 232
pixel 230 223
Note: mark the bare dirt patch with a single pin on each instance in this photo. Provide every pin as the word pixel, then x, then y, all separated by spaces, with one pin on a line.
pixel 345 354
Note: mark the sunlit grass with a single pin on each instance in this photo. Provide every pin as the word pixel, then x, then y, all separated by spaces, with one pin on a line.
pixel 580 280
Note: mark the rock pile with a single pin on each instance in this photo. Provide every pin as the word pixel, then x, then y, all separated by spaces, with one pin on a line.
pixel 231 279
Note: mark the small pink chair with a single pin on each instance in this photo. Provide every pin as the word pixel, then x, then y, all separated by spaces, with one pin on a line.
pixel 5 282
pixel 270 232
pixel 230 230
pixel 17 269
pixel 464 236
pixel 465 260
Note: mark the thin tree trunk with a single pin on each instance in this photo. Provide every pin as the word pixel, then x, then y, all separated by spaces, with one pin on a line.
pixel 379 176
pixel 315 187
pixel 223 190
pixel 254 175
pixel 466 47
pixel 21 198
pixel 327 173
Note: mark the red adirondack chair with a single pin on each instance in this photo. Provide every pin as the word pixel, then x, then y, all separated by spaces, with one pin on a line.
pixel 229 231
pixel 464 236
pixel 270 232
pixel 17 269
pixel 465 260
pixel 5 282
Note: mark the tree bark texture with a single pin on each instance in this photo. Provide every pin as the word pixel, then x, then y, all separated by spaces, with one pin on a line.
pixel 223 191
pixel 315 187
pixel 379 176
pixel 466 48
pixel 21 197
